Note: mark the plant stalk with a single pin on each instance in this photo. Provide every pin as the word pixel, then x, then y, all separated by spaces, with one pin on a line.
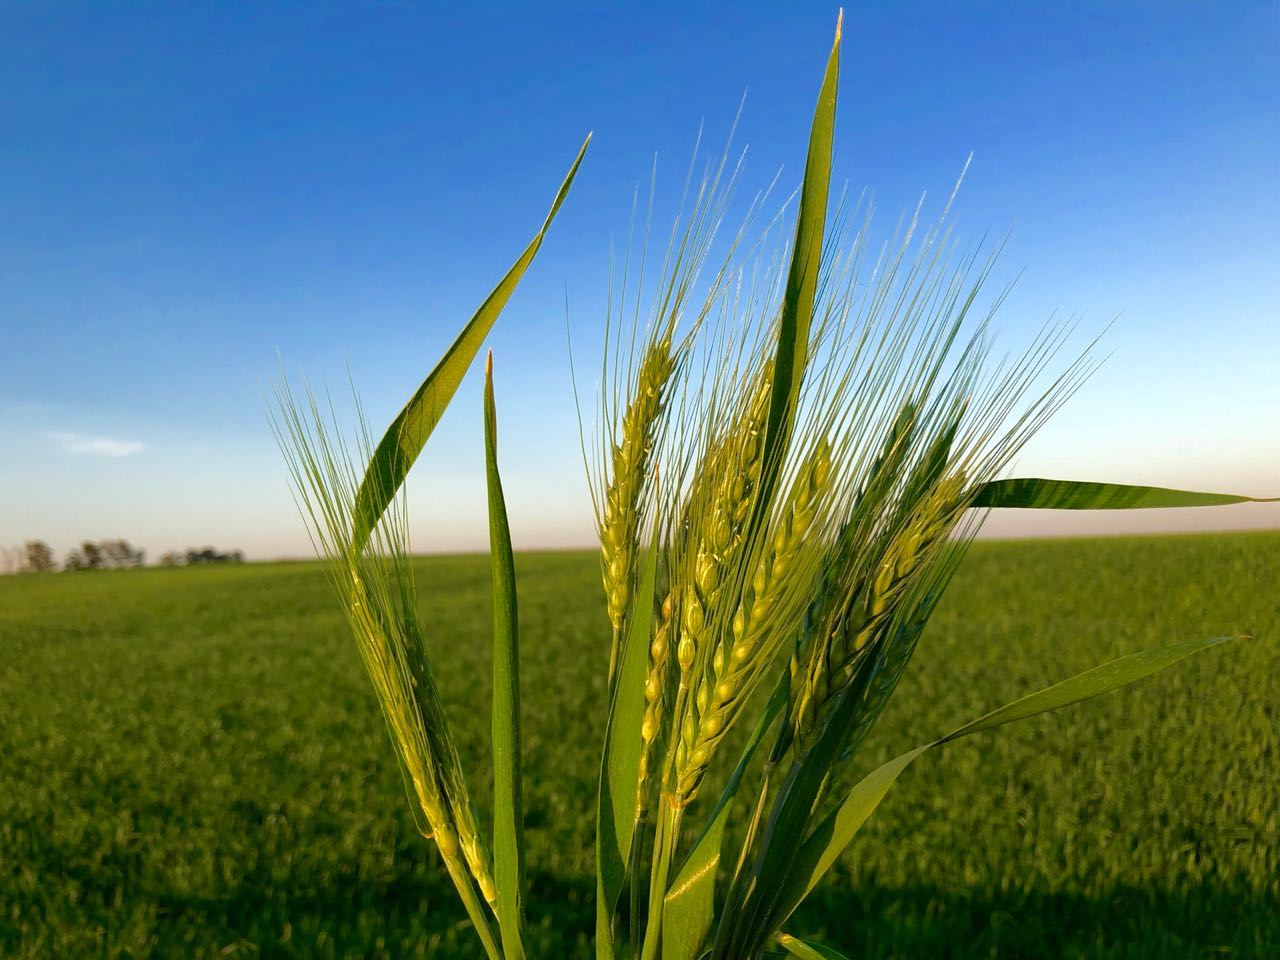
pixel 664 848
pixel 481 919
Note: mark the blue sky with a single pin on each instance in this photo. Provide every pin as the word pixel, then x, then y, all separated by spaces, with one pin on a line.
pixel 186 190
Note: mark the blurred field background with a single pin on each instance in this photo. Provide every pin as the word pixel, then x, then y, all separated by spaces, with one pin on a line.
pixel 192 764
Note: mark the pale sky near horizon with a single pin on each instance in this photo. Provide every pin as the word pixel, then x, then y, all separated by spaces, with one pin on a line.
pixel 188 193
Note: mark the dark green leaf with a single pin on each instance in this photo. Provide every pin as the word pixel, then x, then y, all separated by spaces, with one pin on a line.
pixel 830 838
pixel 620 764
pixel 807 949
pixel 410 429
pixel 508 809
pixel 1038 494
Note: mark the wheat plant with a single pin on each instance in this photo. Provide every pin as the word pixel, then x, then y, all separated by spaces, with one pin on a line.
pixel 797 440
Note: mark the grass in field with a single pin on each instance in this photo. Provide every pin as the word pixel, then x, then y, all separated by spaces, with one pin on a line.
pixel 192 764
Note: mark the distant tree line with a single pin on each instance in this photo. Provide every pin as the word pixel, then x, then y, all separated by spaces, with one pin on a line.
pixel 204 555
pixel 36 556
pixel 106 555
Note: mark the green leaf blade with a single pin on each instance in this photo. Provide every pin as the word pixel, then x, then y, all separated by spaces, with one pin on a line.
pixel 409 431
pixel 508 801
pixel 833 835
pixel 1036 493
pixel 796 316
pixel 807 949
pixel 620 762
pixel 792 353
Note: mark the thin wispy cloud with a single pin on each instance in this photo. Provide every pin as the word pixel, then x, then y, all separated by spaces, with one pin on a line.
pixel 80 443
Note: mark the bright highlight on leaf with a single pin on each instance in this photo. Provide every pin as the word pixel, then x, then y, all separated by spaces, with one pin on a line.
pixel 805 950
pixel 409 431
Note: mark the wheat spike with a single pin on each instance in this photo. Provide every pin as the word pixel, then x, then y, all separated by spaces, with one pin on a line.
pixel 716 550
pixel 474 850
pixel 620 519
pixel 856 629
pixel 656 684
pixel 749 646
pixel 375 586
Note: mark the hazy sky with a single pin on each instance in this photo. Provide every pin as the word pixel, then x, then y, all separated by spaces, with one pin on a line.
pixel 185 191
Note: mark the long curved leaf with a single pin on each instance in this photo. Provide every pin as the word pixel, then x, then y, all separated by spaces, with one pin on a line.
pixel 508 805
pixel 830 838
pixel 620 764
pixel 1040 494
pixel 690 902
pixel 409 431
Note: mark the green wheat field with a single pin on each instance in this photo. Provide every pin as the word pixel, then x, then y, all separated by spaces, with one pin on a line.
pixel 192 764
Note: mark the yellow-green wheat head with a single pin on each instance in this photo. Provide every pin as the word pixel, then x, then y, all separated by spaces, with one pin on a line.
pixel 374 583
pixel 811 566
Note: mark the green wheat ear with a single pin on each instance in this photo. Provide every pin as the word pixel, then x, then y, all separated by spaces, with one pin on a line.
pixel 359 525
pixel 749 647
pixel 623 500
pixel 852 632
pixel 374 583
pixel 702 588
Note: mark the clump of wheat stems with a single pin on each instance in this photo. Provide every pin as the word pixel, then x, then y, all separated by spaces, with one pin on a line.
pixel 823 576
pixel 822 418
pixel 376 589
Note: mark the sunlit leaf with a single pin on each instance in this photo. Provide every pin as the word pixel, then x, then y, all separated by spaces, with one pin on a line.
pixel 1039 494
pixel 508 809
pixel 409 431
pixel 802 276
